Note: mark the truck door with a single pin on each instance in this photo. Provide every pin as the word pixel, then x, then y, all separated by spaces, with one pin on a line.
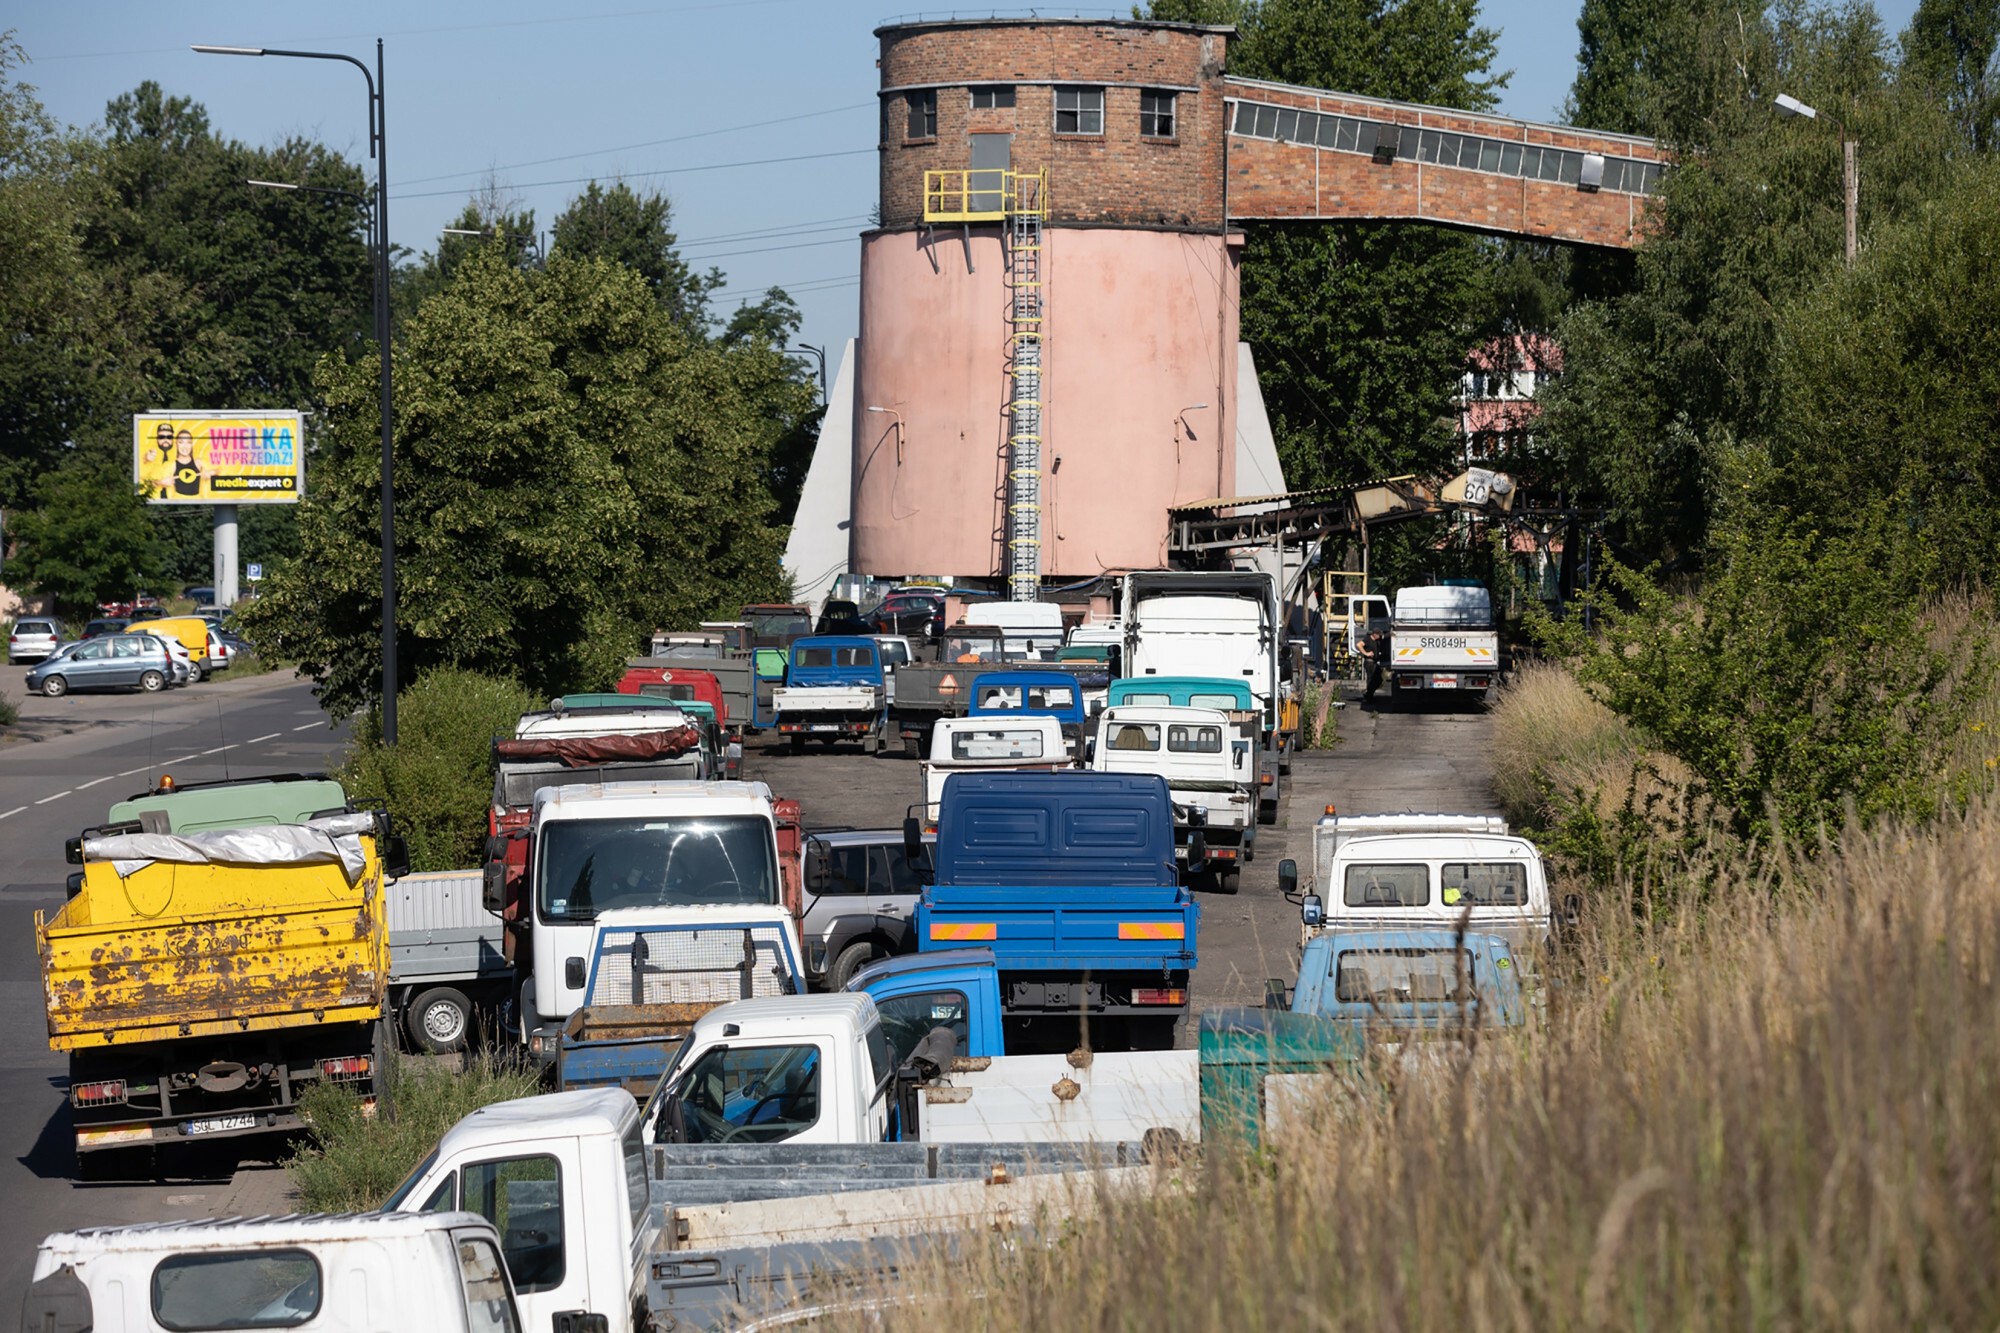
pixel 534 1198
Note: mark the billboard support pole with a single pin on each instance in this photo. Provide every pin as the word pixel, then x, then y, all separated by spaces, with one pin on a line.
pixel 225 555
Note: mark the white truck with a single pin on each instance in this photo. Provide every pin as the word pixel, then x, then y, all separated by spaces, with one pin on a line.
pixel 1427 871
pixel 683 854
pixel 1210 767
pixel 1029 631
pixel 599 1224
pixel 1443 638
pixel 820 1069
pixel 985 745
pixel 354 1273
pixel 1220 625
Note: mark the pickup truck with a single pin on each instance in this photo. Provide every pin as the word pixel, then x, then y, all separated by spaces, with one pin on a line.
pixel 745 689
pixel 1211 771
pixel 834 691
pixel 604 1231
pixel 1426 870
pixel 652 976
pixel 1055 694
pixel 199 982
pixel 402 1273
pixel 988 745
pixel 1443 638
pixel 1070 879
pixel 930 691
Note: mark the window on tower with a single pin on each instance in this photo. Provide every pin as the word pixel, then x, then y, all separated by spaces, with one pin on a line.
pixel 1156 114
pixel 923 114
pixel 1079 111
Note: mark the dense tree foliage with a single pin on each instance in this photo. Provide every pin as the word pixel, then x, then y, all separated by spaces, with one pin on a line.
pixel 1361 329
pixel 573 470
pixel 86 539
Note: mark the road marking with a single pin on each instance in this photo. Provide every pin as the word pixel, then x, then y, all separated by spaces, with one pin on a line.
pixel 310 725
pixel 15 811
pixel 130 771
pixel 219 749
pixel 57 797
pixel 94 781
pixel 259 740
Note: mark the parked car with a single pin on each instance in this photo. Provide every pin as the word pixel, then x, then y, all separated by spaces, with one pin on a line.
pixel 860 894
pixel 837 611
pixel 219 652
pixel 108 662
pixel 33 639
pixel 181 659
pixel 106 625
pixel 199 594
pixel 908 614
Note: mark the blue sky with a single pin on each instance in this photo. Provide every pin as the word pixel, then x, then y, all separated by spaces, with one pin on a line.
pixel 756 117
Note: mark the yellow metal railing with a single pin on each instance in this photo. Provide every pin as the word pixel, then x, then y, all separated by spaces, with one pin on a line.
pixel 984 194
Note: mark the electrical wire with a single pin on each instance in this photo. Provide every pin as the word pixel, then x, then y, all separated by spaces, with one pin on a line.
pixel 663 171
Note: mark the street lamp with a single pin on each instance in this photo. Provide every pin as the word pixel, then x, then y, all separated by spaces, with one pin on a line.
pixel 899 429
pixel 378 148
pixel 1850 175
pixel 819 353
pixel 531 242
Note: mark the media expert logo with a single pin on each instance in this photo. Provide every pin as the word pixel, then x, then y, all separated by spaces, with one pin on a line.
pixel 218 457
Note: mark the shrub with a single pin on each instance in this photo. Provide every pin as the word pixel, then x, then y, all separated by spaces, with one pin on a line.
pixel 353 1161
pixel 437 780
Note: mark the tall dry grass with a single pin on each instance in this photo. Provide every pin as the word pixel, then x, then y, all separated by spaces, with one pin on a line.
pixel 1778 1112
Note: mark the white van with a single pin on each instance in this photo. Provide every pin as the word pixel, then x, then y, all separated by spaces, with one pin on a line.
pixel 1208 763
pixel 987 744
pixel 353 1273
pixel 1029 631
pixel 1427 872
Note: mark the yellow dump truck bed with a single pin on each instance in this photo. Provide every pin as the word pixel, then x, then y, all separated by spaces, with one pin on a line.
pixel 200 950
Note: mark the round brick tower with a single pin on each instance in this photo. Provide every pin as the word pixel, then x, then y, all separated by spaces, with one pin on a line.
pixel 1047 354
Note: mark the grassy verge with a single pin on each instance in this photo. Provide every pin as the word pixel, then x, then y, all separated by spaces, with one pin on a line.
pixel 1777 1111
pixel 353 1161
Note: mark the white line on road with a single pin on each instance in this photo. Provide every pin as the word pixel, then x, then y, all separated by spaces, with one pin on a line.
pixel 130 771
pixel 259 740
pixel 219 749
pixel 310 725
pixel 15 811
pixel 94 781
pixel 57 797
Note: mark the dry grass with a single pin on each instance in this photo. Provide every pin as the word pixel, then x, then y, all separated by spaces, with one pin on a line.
pixel 1780 1111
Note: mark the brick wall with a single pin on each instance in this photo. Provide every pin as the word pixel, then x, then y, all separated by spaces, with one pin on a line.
pixel 1117 178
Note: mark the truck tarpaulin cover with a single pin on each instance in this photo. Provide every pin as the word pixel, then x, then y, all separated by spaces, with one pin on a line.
pixel 582 751
pixel 334 839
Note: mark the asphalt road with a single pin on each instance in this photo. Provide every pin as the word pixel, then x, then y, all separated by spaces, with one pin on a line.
pixel 60 770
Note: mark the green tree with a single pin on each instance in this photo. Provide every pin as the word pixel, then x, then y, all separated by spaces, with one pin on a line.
pixel 1949 46
pixel 1361 329
pixel 626 227
pixel 86 540
pixel 573 470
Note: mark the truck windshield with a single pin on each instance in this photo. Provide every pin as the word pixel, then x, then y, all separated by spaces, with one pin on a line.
pixel 594 865
pixel 519 785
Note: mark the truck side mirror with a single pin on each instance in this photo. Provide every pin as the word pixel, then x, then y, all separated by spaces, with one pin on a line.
pixel 1275 994
pixel 1288 877
pixel 396 856
pixel 913 839
pixel 816 870
pixel 581 1321
pixel 1312 911
pixel 73 851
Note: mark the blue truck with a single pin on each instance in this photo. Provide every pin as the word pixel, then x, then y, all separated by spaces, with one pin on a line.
pixel 834 690
pixel 1056 694
pixel 1070 879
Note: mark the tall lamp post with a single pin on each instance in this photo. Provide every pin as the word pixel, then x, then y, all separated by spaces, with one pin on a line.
pixel 819 355
pixel 1850 174
pixel 377 149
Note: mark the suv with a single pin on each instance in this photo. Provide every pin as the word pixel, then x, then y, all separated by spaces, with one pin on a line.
pixel 860 901
pixel 33 639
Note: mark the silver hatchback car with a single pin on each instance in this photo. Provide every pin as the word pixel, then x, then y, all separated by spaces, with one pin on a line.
pixel 32 639
pixel 108 662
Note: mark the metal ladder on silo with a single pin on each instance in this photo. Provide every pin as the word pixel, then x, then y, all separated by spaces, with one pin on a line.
pixel 1027 207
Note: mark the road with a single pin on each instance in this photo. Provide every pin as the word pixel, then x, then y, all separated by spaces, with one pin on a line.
pixel 96 749
pixel 60 770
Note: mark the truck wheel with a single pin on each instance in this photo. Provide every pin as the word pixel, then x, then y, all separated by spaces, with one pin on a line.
pixel 1226 881
pixel 1267 812
pixel 913 747
pixel 440 1021
pixel 798 744
pixel 851 960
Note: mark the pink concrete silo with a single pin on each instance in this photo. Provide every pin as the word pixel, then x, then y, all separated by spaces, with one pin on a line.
pixel 1135 273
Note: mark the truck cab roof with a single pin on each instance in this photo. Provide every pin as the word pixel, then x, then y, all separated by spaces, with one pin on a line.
pixel 778 1015
pixel 584 1112
pixel 615 800
pixel 939 961
pixel 237 1233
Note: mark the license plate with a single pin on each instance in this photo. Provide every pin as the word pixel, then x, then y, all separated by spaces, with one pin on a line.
pixel 1444 682
pixel 222 1124
pixel 826 726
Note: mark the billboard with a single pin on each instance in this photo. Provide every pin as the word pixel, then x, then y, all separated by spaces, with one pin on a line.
pixel 216 458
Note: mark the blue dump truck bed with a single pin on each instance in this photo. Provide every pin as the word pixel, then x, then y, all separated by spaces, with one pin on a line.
pixel 1069 879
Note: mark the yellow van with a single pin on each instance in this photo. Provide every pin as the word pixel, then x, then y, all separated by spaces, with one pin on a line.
pixel 190 632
